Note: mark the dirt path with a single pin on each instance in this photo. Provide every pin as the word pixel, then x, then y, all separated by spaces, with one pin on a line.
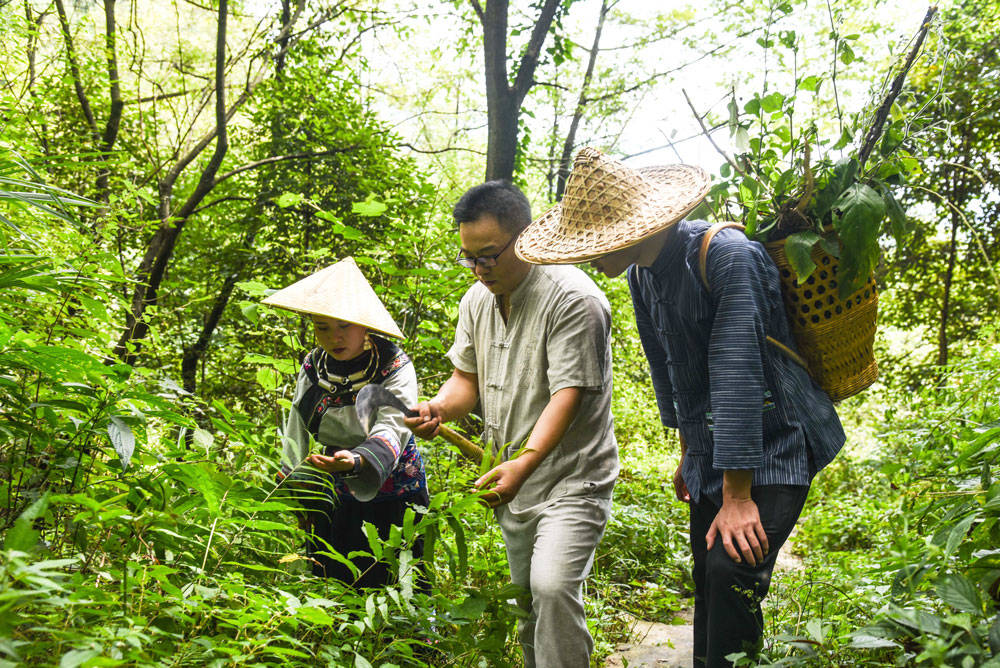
pixel 655 645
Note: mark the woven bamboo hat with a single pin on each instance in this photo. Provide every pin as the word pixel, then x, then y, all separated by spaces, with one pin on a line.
pixel 339 291
pixel 608 206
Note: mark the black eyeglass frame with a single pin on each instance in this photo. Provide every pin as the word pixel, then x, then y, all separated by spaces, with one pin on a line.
pixel 484 261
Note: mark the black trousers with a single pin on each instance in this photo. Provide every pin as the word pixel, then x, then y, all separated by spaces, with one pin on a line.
pixel 727 614
pixel 338 527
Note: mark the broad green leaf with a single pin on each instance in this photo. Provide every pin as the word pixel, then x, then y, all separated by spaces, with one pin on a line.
pixel 741 139
pixel 122 439
pixel 472 607
pixel 846 53
pixel 798 250
pixel 361 662
pixel 815 629
pixel 204 439
pixel 369 208
pixel 374 542
pixel 860 213
pixel 313 615
pixel 919 620
pixel 268 378
pixel 254 288
pixel 249 310
pixel 842 176
pixel 845 139
pixel 810 83
pixel 76 657
pixel 899 223
pixel 865 641
pixel 995 636
pixel 958 592
pixel 22 536
pixel 958 533
pixel 772 103
pixel 286 200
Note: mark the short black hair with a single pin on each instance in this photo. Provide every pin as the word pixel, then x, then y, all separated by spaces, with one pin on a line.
pixel 502 199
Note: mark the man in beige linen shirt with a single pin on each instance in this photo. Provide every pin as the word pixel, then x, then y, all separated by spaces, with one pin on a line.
pixel 532 346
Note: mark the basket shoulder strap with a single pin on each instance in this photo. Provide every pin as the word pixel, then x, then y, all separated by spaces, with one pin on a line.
pixel 703 271
pixel 703 250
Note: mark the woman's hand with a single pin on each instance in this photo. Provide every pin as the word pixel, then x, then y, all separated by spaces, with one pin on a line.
pixel 339 462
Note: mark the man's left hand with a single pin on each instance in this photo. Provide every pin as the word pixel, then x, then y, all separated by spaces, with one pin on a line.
pixel 738 526
pixel 502 483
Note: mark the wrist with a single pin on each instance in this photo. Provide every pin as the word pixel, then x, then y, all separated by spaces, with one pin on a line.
pixel 436 406
pixel 736 485
pixel 358 462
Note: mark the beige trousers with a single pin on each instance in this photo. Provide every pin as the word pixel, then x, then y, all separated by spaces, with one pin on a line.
pixel 550 553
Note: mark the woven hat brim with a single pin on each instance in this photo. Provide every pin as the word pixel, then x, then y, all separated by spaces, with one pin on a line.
pixel 549 240
pixel 339 291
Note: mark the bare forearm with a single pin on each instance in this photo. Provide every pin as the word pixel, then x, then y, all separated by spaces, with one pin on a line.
pixel 551 426
pixel 503 481
pixel 457 396
pixel 736 484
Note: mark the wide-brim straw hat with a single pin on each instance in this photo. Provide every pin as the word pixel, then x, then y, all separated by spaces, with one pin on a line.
pixel 608 206
pixel 339 291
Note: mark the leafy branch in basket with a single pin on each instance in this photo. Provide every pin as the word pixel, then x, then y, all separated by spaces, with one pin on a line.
pixel 801 182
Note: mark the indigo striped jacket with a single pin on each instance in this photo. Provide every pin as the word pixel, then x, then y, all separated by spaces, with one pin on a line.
pixel 739 404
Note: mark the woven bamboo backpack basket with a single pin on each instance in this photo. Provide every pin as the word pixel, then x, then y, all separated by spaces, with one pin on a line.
pixel 835 336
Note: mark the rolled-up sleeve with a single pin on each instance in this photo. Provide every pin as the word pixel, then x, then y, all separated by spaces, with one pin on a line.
pixel 463 351
pixel 655 355
pixel 735 352
pixel 576 344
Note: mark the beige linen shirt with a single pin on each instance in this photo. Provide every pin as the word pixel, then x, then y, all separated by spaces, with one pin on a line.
pixel 556 336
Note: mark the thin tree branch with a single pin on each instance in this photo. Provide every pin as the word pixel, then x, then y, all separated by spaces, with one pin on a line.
pixel 525 76
pixel 447 149
pixel 479 10
pixel 283 158
pixel 220 200
pixel 74 69
pixel 708 135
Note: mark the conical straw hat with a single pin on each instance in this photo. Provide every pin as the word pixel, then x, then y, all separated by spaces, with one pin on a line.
pixel 608 206
pixel 339 291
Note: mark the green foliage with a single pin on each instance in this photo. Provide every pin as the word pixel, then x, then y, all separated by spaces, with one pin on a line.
pixel 900 541
pixel 792 180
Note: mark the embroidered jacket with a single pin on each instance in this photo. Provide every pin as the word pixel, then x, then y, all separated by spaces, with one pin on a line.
pixel 323 410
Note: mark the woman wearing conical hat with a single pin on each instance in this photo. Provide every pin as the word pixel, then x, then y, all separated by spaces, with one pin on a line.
pixel 365 475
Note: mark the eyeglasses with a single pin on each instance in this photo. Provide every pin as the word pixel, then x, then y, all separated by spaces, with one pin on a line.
pixel 484 261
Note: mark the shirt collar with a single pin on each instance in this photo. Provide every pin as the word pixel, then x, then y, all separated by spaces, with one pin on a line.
pixel 520 292
pixel 672 252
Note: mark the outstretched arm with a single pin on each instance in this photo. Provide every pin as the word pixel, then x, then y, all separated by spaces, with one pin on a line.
pixel 505 480
pixel 454 400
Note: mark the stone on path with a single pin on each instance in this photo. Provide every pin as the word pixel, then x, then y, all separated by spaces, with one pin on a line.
pixel 656 645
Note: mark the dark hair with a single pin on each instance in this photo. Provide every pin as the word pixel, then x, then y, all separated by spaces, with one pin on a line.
pixel 503 200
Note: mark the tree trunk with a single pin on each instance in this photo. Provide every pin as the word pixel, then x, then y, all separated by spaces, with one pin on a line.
pixel 161 247
pixel 504 99
pixel 566 160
